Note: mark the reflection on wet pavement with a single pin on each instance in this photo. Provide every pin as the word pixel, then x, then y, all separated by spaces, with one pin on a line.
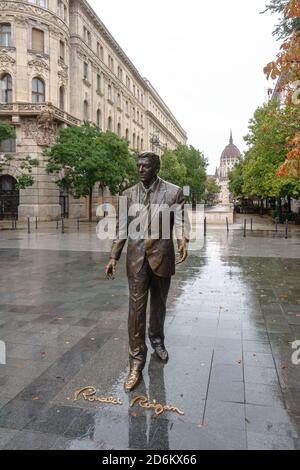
pixel 233 316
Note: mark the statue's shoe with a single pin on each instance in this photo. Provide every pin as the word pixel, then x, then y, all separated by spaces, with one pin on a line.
pixel 132 380
pixel 161 353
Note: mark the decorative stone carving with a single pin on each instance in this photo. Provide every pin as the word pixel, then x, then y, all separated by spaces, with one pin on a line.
pixel 5 59
pixel 63 77
pixel 42 129
pixel 39 65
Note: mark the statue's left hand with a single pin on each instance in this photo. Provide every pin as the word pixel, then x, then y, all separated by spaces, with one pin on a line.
pixel 183 252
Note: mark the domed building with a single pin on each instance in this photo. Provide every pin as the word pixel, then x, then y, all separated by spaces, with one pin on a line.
pixel 229 159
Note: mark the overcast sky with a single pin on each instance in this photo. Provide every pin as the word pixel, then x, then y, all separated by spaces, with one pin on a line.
pixel 205 58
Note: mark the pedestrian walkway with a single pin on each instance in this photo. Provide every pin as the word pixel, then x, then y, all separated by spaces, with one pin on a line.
pixel 233 320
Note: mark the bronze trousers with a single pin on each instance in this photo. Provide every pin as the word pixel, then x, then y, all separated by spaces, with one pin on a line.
pixel 139 286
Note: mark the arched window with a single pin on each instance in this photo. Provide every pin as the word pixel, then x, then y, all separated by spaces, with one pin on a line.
pixel 133 141
pixel 86 110
pixel 109 123
pixel 127 134
pixel 6 89
pixel 119 129
pixel 62 98
pixel 5 34
pixel 99 118
pixel 138 143
pixel 38 91
pixel 142 144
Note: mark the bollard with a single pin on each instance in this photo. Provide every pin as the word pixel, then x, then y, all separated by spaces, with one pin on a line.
pixel 251 225
pixel 245 228
pixel 78 224
pixel 205 226
pixel 15 223
pixel 286 229
pixel 62 225
pixel 227 224
pixel 28 225
pixel 36 223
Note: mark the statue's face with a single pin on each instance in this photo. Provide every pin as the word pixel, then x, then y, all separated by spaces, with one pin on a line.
pixel 147 170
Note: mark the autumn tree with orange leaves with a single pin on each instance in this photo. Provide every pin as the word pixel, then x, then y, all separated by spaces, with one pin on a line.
pixel 286 69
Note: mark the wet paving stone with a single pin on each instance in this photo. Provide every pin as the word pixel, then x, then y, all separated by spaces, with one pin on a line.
pixel 231 322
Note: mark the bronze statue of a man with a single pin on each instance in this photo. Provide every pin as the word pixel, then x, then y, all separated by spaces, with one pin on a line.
pixel 150 264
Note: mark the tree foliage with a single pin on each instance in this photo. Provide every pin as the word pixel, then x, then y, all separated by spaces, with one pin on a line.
pixel 185 166
pixel 83 156
pixel 26 165
pixel 268 140
pixel 287 63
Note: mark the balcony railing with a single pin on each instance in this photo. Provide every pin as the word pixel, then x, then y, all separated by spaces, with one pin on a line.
pixel 32 109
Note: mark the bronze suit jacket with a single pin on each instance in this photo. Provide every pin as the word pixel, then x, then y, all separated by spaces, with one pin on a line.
pixel 160 252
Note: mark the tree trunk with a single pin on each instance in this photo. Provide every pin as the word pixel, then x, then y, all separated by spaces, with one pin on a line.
pixel 91 205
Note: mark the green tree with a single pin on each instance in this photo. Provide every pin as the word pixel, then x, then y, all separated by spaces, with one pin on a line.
pixel 83 156
pixel 212 189
pixel 269 132
pixel 236 180
pixel 25 165
pixel 171 169
pixel 189 169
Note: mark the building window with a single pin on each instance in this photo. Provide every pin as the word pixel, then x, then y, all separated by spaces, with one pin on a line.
pixel 119 100
pixel 8 146
pixel 38 91
pixel 111 63
pixel 128 82
pixel 41 3
pixel 120 74
pixel 6 89
pixel 142 144
pixel 100 51
pixel 62 98
pixel 142 119
pixel 138 143
pixel 138 116
pixel 98 83
pixel 134 90
pixel 127 134
pixel 142 98
pixel 133 140
pixel 98 118
pixel 110 92
pixel 127 107
pixel 138 94
pixel 119 129
pixel 5 34
pixel 65 13
pixel 86 110
pixel 133 113
pixel 38 40
pixel 109 124
pixel 85 71
pixel 62 50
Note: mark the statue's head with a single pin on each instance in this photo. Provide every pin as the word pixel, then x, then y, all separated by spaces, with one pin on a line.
pixel 148 166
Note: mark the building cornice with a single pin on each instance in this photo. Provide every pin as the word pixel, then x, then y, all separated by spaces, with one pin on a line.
pixel 118 50
pixel 162 126
pixel 27 10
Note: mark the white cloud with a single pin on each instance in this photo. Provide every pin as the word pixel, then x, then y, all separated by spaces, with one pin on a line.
pixel 205 59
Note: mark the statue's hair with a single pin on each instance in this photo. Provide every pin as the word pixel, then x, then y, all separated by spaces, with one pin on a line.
pixel 152 156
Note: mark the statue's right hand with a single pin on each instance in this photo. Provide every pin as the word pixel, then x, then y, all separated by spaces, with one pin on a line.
pixel 111 269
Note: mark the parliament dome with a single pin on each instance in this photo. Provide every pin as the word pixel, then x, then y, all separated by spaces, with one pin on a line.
pixel 231 151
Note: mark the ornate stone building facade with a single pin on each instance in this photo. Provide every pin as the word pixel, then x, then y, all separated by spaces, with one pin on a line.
pixel 229 159
pixel 59 66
